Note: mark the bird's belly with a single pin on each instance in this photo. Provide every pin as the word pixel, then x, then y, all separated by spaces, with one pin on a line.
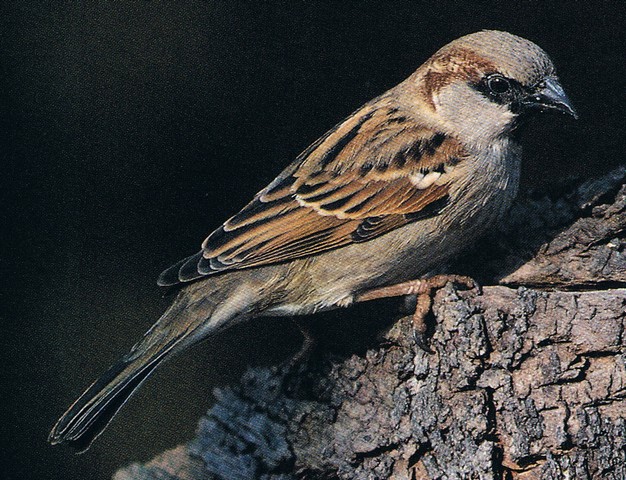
pixel 331 280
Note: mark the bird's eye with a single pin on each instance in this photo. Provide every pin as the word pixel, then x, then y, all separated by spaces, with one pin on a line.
pixel 498 85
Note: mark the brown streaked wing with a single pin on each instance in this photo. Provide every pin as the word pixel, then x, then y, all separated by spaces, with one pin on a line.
pixel 354 184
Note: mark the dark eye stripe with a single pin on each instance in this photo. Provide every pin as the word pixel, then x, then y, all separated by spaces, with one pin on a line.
pixel 515 92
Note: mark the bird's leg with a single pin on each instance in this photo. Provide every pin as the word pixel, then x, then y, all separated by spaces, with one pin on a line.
pixel 308 342
pixel 304 352
pixel 292 368
pixel 422 289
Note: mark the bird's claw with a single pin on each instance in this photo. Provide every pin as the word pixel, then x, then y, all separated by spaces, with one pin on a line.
pixel 421 343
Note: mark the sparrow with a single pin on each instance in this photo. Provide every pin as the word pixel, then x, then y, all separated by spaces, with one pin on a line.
pixel 387 196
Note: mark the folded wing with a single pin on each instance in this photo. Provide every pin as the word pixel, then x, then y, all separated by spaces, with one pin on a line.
pixel 371 174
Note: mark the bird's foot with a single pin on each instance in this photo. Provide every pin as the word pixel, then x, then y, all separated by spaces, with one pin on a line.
pixel 422 289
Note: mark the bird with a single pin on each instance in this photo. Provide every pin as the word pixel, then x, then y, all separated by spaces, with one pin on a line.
pixel 377 204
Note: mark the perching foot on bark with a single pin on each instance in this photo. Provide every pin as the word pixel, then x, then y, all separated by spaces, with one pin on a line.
pixel 423 290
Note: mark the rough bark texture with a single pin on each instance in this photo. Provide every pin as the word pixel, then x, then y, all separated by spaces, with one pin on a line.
pixel 527 380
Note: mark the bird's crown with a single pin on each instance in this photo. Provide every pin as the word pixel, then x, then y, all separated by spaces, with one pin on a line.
pixel 490 51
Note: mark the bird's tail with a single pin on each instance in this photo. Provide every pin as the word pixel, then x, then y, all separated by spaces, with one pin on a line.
pixel 185 322
pixel 88 416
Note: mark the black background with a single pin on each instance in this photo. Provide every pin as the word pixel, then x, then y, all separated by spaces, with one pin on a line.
pixel 129 130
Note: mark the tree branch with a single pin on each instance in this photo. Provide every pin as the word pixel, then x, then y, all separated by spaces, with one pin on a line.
pixel 524 383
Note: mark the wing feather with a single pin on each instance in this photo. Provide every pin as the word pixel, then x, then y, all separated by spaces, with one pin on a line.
pixel 364 178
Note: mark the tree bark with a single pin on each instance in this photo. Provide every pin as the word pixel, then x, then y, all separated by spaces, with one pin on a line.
pixel 526 380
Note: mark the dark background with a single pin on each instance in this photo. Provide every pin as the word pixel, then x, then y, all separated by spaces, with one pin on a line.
pixel 130 130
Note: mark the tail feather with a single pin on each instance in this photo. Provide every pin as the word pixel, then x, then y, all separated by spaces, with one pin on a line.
pixel 200 310
pixel 86 419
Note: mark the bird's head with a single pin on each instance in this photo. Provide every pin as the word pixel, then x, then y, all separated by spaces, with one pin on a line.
pixel 479 85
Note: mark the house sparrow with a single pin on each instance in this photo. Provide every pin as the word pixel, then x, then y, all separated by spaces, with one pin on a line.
pixel 390 194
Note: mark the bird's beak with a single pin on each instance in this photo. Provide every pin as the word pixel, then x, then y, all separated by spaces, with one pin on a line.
pixel 549 95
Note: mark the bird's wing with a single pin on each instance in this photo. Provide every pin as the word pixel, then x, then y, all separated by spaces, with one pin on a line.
pixel 371 174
